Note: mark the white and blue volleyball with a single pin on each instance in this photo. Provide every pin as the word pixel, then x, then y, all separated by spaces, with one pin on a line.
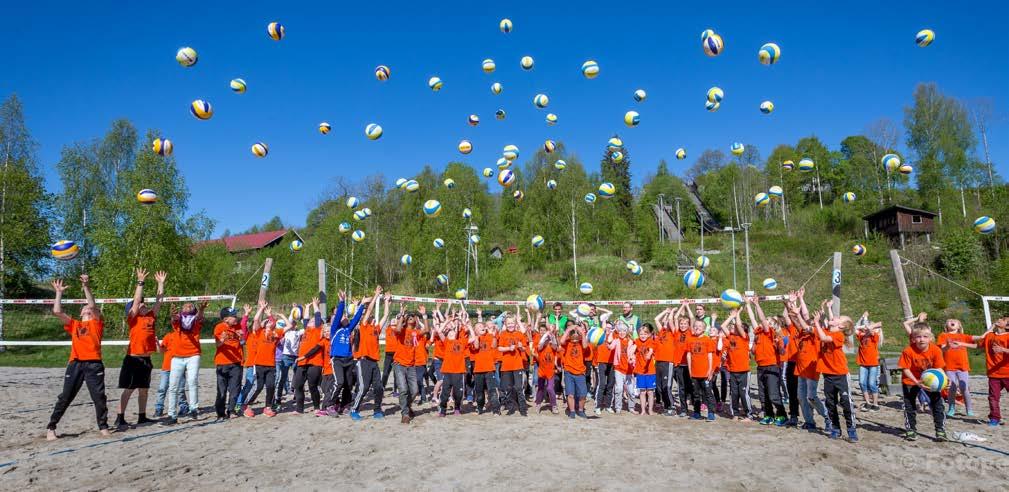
pixel 616 156
pixel 640 95
pixel 438 243
pixel 806 164
pixel 296 245
pixel 715 94
pixel 506 177
pixel 526 62
pixel 511 152
pixel 238 86
pixel 788 165
pixel 518 195
pixel 693 279
pixel 201 109
pixel 64 250
pixel 891 162
pixel 465 147
pixel 358 235
pixel 344 227
pixel 162 146
pixel 473 120
pixel 737 148
pixel 770 284
pixel 766 107
pixel 489 65
pixel 702 262
pixel 499 114
pixel 607 190
pixel 560 165
pixel 632 118
pixel 324 127
pixel 905 169
pixel 537 241
pixel 276 31
pixel 435 83
pixel 984 225
pixel 401 183
pixel 549 146
pixel 405 260
pixel 924 38
pixel 411 185
pixel 353 202
pixel 186 56
pixel 590 69
pixel 775 192
pixel 442 279
pixel 712 106
pixel 432 208
pixel 585 288
pixel 681 153
pixel 496 89
pixel 534 302
pixel 382 73
pixel 541 100
pixel 474 239
pixel 503 163
pixel 259 149
pixel 590 198
pixel 769 54
pixel 551 184
pixel 360 215
pixel 373 131
pixel 467 213
pixel 614 143
pixel 505 25
pixel 934 379
pixel 147 196
pixel 761 199
pixel 858 250
pixel 848 197
pixel 487 172
pixel 712 43
pixel 551 119
pixel 731 299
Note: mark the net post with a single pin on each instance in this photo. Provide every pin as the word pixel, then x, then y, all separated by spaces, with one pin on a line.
pixel 264 284
pixel 322 287
pixel 987 313
pixel 898 273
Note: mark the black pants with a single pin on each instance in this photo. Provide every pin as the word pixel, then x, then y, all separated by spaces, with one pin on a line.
pixel 720 385
pixel 79 372
pixel 328 381
pixel 769 385
pixel 589 369
pixel 453 383
pixel 835 389
pixel 739 385
pixel 911 408
pixel 368 378
pixel 229 382
pixel 702 392
pixel 684 389
pixel 604 385
pixel 792 386
pixel 312 375
pixel 387 370
pixel 485 385
pixel 343 371
pixel 469 380
pixel 511 385
pixel 266 377
pixel 664 383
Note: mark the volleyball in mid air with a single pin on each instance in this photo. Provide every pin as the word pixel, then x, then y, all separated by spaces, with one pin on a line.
pixel 467 213
pixel 358 235
pixel 506 177
pixel 503 163
pixel 712 43
pixel 549 146
pixel 891 162
pixel 488 172
pixel 775 191
pixel 590 198
pixel 526 62
pixel 858 250
pixel 715 94
pixel 259 149
pixel 64 250
pixel 560 165
pixel 924 38
pixel 737 148
pixel 585 288
pixel 770 284
pixel 296 245
pixel 537 241
pixel 787 165
pixel 360 215
pixel 432 208
pixel 434 83
pixel 460 294
pixel 534 302
pixel 411 185
pixel 474 239
pixel 147 196
pixel 276 30
pixel 640 95
pixel 614 143
pixel 510 152
pixel 551 184
pixel 465 147
pixel 518 195
pixel 693 279
pixel 238 86
pixel 401 183
pixel 769 54
pixel 489 65
pixel 201 109
pixel 541 101
pixel 344 227
pixel 712 106
pixel 762 199
pixel 499 114
pixel 373 131
pixel 702 262
pixel 607 190
pixel 473 120
pixel 442 279
pixel 905 169
pixel 848 197
pixel 766 107
pixel 382 73
pixel 186 56
pixel 590 69
pixel 632 118
pixel 596 336
pixel 584 310
pixel 438 243
pixel 731 299
pixel 353 202
pixel 551 119
pixel 449 183
pixel 681 153
pixel 496 88
pixel 505 25
pixel 984 225
pixel 806 164
pixel 405 260
pixel 162 146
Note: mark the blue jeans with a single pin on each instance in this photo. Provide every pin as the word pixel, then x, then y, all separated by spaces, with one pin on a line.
pixel 809 400
pixel 868 379
pixel 159 402
pixel 188 368
pixel 284 363
pixel 248 385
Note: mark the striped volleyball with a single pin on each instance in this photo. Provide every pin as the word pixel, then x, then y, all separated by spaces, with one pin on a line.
pixel 506 177
pixel 344 227
pixel 590 198
pixel 275 30
pixel 518 195
pixel 537 241
pixel 560 165
pixel 487 172
pixel 405 260
pixel 549 146
pixel 640 95
pixel 358 235
pixel 731 298
pixel 64 250
pixel 712 106
pixel 787 165
pixel 848 197
pixel 511 152
pixel 162 146
pixel 614 143
pixel 806 164
pixel 186 56
pixel 526 62
pixel 442 279
pixel 382 73
pixel 737 148
pixel 775 192
pixel 467 213
pixel 505 25
pixel 551 184
pixel 541 100
pixel 858 250
pixel 693 279
pixel 715 94
pixel 905 169
pixel 534 302
pixel 438 243
pixel 489 65
pixel 435 83
pixel 761 199
pixel 631 265
pixel 461 294
pixel 503 163
pixel 474 239
pixel 373 131
pixel 596 336
pixel 473 120
pixel 499 114
pixel 296 245
pixel 353 202
pixel 590 69
pixel 400 183
pixel 712 44
pixel 324 127
pixel 702 262
pixel 891 162
pixel 924 38
pixel 147 196
pixel 585 288
pixel 770 284
pixel 360 215
pixel 637 270
pixel 617 156
pixel 411 185
pixel 496 89
pixel 238 86
pixel 201 109
pixel 766 107
pixel 632 118
pixel 769 54
pixel 934 379
pixel 465 147
pixel 259 149
pixel 432 208
pixel 681 153
pixel 584 310
pixel 551 119
pixel 607 190
pixel 984 225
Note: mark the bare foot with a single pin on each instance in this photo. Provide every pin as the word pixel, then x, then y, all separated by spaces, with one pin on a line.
pixel 51 435
pixel 105 433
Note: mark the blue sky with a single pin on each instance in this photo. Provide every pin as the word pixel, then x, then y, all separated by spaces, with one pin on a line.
pixel 78 66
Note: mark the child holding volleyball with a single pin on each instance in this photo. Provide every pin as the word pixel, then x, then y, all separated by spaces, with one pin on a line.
pixel 920 355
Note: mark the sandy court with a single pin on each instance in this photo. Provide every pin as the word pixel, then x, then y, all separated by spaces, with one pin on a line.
pixel 464 453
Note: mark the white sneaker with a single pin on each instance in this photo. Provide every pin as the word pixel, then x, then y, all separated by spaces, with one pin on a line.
pixel 598 411
pixel 610 410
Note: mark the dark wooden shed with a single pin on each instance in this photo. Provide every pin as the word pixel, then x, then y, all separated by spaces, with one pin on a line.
pixel 901 224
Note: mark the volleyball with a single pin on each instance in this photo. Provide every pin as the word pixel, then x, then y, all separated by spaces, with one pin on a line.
pixel 632 118
pixel 324 128
pixel 488 172
pixel 488 65
pixel 770 284
pixel 702 262
pixel 596 336
pixel 367 211
pixel 637 270
pixel 590 198
pixel 923 38
pixel 506 177
pixel 401 183
pixel 584 310
pixel 162 146
pixel 186 56
pixel 432 208
pixel 614 143
pixel 434 83
pixel 358 235
pixel 526 62
pixel 616 156
pixel 411 185
pixel 499 114
pixel 681 153
pixel 65 250
pixel 496 89
pixel 551 184
pixel 737 148
pixel 238 86
pixel 405 260
pixel 460 294
pixel 474 239
pixel 806 164
pixel 858 250
pixel 640 95
pixel 934 379
pixel 503 163
pixel 344 227
pixel 560 165
pixel 201 109
pixel 551 119
pixel 147 196
pixel 505 26
pixel 712 106
pixel 439 243
pixel 534 302
pixel 731 298
pixel 465 147
pixel 769 54
pixel 848 197
pixel 585 288
pixel 607 190
pixel 442 279
pixel 518 195
pixel 712 44
pixel 761 199
pixel 360 215
pixel 891 162
pixel 259 149
pixel 373 131
pixel 715 94
pixel 787 165
pixel 766 107
pixel 467 213
pixel 775 192
pixel 693 279
pixel 984 225
pixel 905 169
pixel 590 69
pixel 511 152
pixel 473 120
pixel 296 245
pixel 382 73
pixel 549 146
pixel 541 100
pixel 353 202
pixel 537 241
pixel 275 30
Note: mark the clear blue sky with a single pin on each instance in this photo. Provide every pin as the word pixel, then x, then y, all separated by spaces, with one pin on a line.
pixel 78 66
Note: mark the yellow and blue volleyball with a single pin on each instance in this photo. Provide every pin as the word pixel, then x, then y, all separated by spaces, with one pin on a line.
pixel 275 30
pixel 496 89
pixel 325 127
pixel 848 197
pixel 344 227
pixel 715 94
pixel 712 44
pixel 631 265
pixel 353 202
pixel 382 73
pixel 201 109
pixel 518 195
pixel 607 190
pixel 769 54
pixel 788 165
pixel 712 106
pixel 617 156
pixel 296 245
pixel 858 250
pixel 761 199
pixel 551 119
pixel 360 215
pixel 435 83
pixel 731 299
pixel 766 107
pixel 614 143
pixel 411 185
pixel 934 379
pixel 511 152
pixel 585 288
pixel 584 310
pixel 702 262
pixel 438 243
pixel 488 172
pixel 806 164
pixel 560 165
pixel 64 250
pixel 259 149
pixel 541 100
pixel 924 38
pixel 681 153
pixel 637 270
pixel 489 65
pixel 640 95
pixel 405 260
pixel 449 183
pixel 693 279
pixel 737 148
pixel 537 241
pixel 400 183
pixel 590 69
pixel 162 146
pixel 367 211
pixel 891 162
pixel 373 131
pixel 503 163
pixel 549 146
pixel 596 336
pixel 147 196
pixel 186 56
pixel 776 191
pixel 461 294
pixel 526 62
pixel 499 114
pixel 534 302
pixel 358 235
pixel 238 86
pixel 984 225
pixel 442 279
pixel 474 239
pixel 905 169
pixel 505 25
pixel 770 284
pixel 432 208
pixel 551 184
pixel 465 147
pixel 632 118
pixel 473 120
pixel 506 177
pixel 590 198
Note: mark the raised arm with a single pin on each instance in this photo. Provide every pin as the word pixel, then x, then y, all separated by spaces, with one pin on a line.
pixel 803 309
pixel 908 323
pixel 160 277
pixel 138 293
pixel 59 287
pixel 86 287
pixel 605 316
pixel 385 311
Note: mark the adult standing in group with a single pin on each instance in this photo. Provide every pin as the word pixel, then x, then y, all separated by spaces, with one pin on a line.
pixel 228 363
pixel 185 359
pixel 368 374
pixel 136 371
pixel 630 319
pixel 557 319
pixel 407 329
pixel 341 353
pixel 85 366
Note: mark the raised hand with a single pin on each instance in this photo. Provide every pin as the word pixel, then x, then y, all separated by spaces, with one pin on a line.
pixel 59 286
pixel 343 296
pixel 141 274
pixel 247 308
pixel 160 276
pixel 85 278
pixel 422 310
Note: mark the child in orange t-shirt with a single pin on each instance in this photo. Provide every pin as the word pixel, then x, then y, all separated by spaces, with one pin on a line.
pixel 701 363
pixel 644 368
pixel 736 346
pixel 833 365
pixel 921 354
pixel 870 338
pixel 455 338
pixel 546 357
pixel 995 344
pixel 573 345
pixel 954 344
pixel 768 348
pixel 620 346
pixel 483 351
pixel 808 347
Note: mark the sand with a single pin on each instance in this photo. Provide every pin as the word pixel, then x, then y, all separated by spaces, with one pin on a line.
pixel 467 452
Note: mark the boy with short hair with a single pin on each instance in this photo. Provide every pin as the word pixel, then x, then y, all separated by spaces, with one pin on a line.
pixel 919 355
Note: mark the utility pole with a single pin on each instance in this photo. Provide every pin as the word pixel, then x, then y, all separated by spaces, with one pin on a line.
pixel 322 287
pixel 898 274
pixel 679 226
pixel 658 218
pixel 733 231
pixel 819 189
pixel 746 242
pixel 264 283
pixel 574 241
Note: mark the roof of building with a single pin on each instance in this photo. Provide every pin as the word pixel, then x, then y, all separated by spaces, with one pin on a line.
pixel 899 208
pixel 248 242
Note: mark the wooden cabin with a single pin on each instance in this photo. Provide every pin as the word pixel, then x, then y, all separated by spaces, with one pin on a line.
pixel 901 224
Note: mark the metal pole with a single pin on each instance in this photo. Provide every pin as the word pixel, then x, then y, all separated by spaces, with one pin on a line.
pixel 658 217
pixel 819 191
pixel 679 226
pixel 733 231
pixel 264 283
pixel 835 285
pixel 574 242
pixel 746 242
pixel 322 286
pixel 469 245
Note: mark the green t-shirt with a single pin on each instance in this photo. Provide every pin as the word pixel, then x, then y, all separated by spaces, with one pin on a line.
pixel 560 323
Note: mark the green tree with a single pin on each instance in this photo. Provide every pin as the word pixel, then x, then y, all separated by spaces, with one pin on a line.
pixel 940 135
pixel 619 173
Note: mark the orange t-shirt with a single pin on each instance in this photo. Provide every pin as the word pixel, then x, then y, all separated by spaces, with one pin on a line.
pixel 792 349
pixel 766 348
pixel 573 357
pixel 699 349
pixel 868 349
pixel 189 340
pixel 439 348
pixel 229 352
pixel 327 365
pixel 737 349
pixel 622 363
pixel 420 349
pixel 85 339
pixel 512 361
pixel 955 358
pixel 266 345
pixel 453 357
pixel 143 340
pixel 920 360
pixel 997 365
pixel 391 343
pixel 367 341
pixel 681 339
pixel 484 355
pixel 251 342
pixel 167 341
pixel 406 341
pixel 642 364
pixel 809 354
pixel 604 355
pixel 311 339
pixel 832 361
pixel 664 346
pixel 546 361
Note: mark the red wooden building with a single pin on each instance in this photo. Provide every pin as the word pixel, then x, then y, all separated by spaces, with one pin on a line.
pixel 901 224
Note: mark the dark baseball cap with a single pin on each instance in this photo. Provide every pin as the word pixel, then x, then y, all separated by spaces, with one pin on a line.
pixel 228 311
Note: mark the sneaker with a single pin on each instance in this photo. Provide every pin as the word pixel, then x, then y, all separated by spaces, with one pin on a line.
pixel 121 424
pixel 159 412
pixel 378 415
pixel 681 414
pixel 766 421
pixel 405 419
pixel 696 416
pixel 582 415
pixel 457 413
pixel 940 435
pixel 144 420
pixel 952 411
pixel 792 422
pixel 269 412
pixel 597 411
pixel 571 415
pixel 355 416
pixel 808 426
pixel 852 435
pixel 911 435
pixel 711 416
pixel 865 407
pixel 970 413
pixel 875 408
pixel 238 409
pixel 780 421
pixel 169 421
pixel 193 414
pixel 248 412
pixel 321 413
pixel 835 434
pixel 331 411
pixel 610 410
pixel 669 413
pixel 993 423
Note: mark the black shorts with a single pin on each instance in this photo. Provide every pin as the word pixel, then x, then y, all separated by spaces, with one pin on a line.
pixel 136 373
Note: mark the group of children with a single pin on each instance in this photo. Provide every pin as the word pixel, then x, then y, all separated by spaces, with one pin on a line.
pixel 501 361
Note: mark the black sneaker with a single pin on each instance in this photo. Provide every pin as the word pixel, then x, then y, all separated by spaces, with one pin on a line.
pixel 193 414
pixel 911 436
pixel 940 436
pixel 169 421
pixel 144 420
pixel 121 424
